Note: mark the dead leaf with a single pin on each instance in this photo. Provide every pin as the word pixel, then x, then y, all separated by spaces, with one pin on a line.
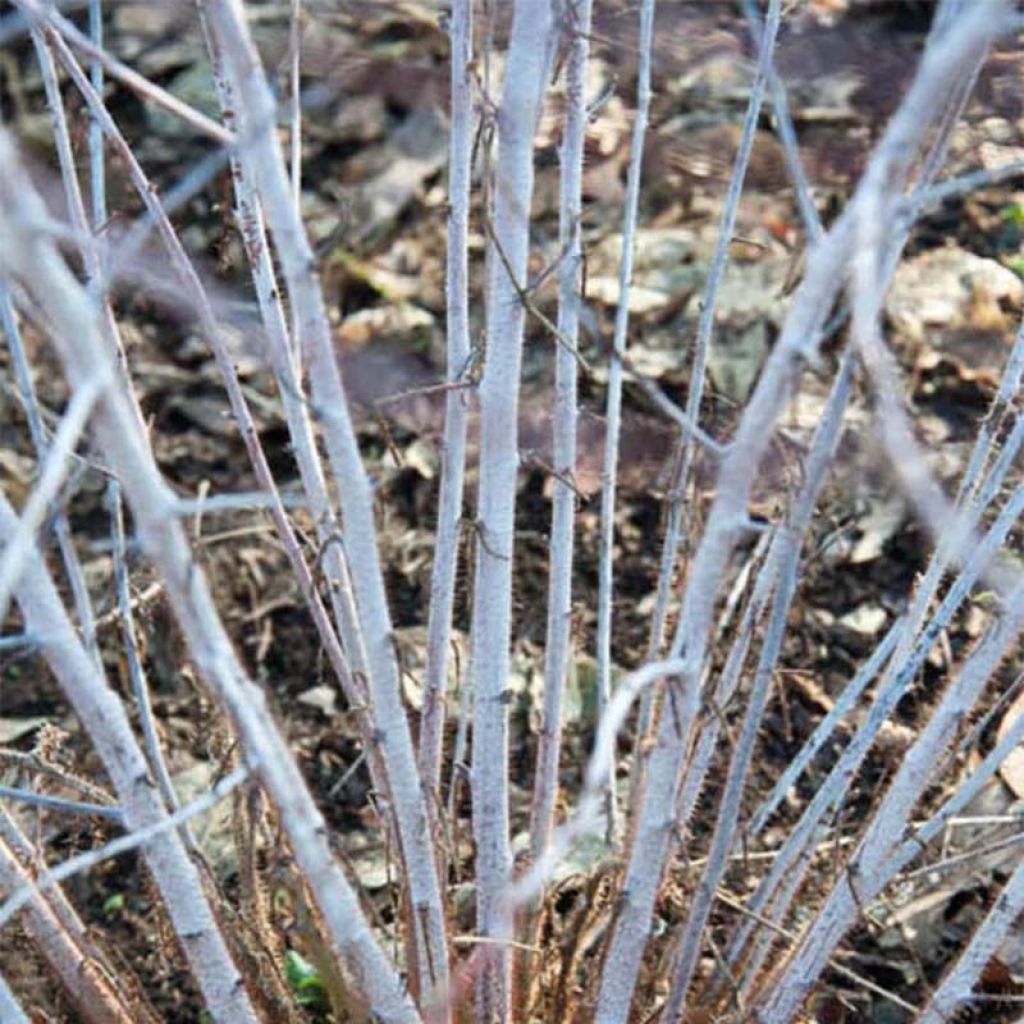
pixel 12 729
pixel 1012 769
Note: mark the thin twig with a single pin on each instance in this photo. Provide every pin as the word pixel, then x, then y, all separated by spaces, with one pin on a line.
pixel 60 804
pixel 613 400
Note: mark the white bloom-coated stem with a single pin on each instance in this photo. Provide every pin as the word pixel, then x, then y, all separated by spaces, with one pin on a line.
pixel 966 792
pixel 39 14
pixel 798 341
pixel 349 663
pixel 104 718
pixel 16 554
pixel 526 73
pixel 955 188
pixel 958 984
pixel 97 165
pixel 767 580
pixel 724 238
pixel 453 444
pixel 61 936
pixel 295 100
pixel 576 16
pixel 899 676
pixel 975 494
pixel 725 688
pixel 79 220
pixel 586 818
pixel 136 671
pixel 613 402
pixel 60 804
pixel 976 491
pixel 10 1009
pixel 49 878
pixel 786 132
pixel 786 556
pixel 44 275
pixel 793 859
pixel 264 162
pixel 872 865
pixel 195 293
pixel 40 442
pixel 295 143
pixel 656 819
pixel 705 325
pixel 869 868
pixel 904 631
pixel 879 204
pixel 843 705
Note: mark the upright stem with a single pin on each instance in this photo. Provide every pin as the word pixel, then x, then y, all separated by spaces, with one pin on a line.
pixel 526 74
pixel 88 249
pixel 193 290
pixel 97 167
pixel 295 142
pixel 702 347
pixel 457 401
pixel 136 671
pixel 958 984
pixel 58 931
pixel 349 663
pixel 794 857
pixel 104 718
pixel 61 526
pixel 613 413
pixel 10 1009
pixel 800 337
pixel 785 559
pixel 264 162
pixel 872 865
pixel 563 513
pixel 34 260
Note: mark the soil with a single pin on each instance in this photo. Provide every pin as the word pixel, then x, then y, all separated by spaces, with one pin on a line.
pixel 377 79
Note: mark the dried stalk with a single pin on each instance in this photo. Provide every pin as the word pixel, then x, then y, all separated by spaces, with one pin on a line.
pixel 613 406
pixel 40 15
pixel 62 939
pixel 786 557
pixel 32 258
pixel 49 879
pixel 576 25
pixel 10 1009
pixel 526 74
pixel 264 162
pixel 801 332
pixel 453 445
pixel 104 718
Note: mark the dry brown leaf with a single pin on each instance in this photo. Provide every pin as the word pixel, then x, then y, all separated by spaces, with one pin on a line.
pixel 1012 769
